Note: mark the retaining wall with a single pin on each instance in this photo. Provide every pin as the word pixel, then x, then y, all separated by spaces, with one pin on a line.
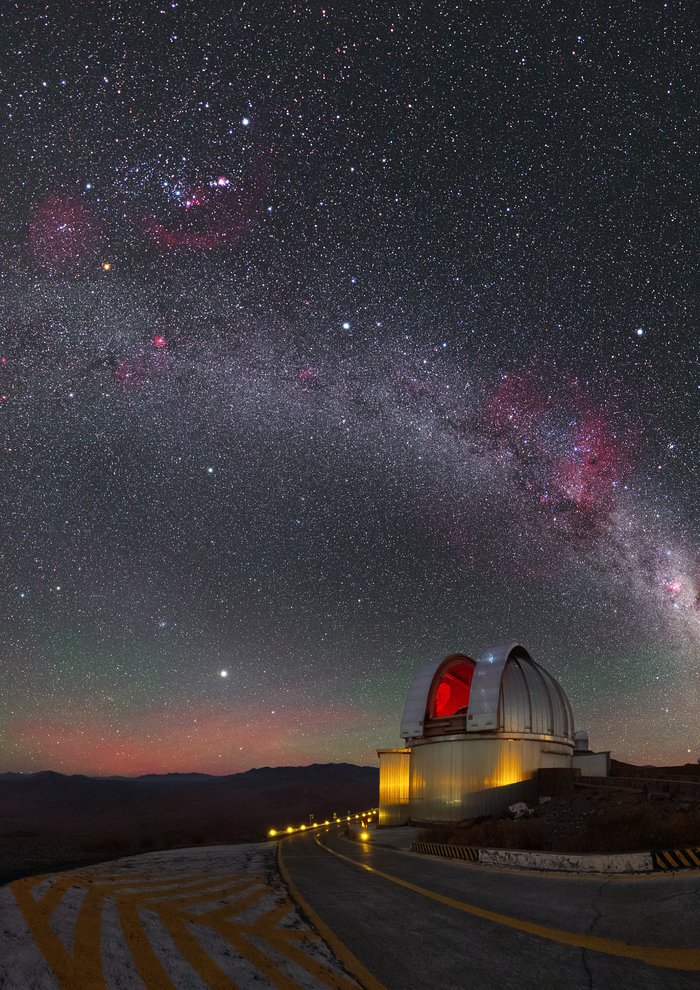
pixel 639 862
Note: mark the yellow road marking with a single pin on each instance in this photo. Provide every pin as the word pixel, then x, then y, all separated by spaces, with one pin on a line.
pixel 233 907
pixel 686 959
pixel 281 939
pixel 213 892
pixel 82 968
pixel 150 892
pixel 201 962
pixel 141 880
pixel 262 942
pixel 51 897
pixel 148 965
pixel 265 966
pixel 350 961
pixel 322 971
pixel 87 957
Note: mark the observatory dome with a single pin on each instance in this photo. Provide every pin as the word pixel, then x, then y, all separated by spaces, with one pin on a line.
pixel 476 734
pixel 504 693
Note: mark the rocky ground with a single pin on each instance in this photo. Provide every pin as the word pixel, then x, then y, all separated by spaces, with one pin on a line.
pixel 591 819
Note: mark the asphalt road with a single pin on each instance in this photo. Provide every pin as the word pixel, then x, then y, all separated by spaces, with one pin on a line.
pixel 409 940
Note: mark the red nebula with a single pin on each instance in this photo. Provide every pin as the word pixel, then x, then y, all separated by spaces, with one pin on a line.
pixel 198 197
pixel 560 444
pixel 64 232
pixel 131 372
pixel 673 587
pixel 309 375
pixel 515 405
pixel 223 214
pixel 588 474
pixel 160 341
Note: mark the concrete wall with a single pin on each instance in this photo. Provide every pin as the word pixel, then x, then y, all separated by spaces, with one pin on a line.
pixel 571 862
pixel 592 764
pixel 463 777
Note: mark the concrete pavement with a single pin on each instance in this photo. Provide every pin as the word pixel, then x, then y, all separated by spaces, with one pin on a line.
pixel 424 924
pixel 190 919
pixel 221 918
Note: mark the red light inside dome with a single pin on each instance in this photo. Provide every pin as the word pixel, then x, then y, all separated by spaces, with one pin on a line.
pixel 453 689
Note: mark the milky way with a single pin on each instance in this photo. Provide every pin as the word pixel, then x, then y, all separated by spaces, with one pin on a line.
pixel 333 341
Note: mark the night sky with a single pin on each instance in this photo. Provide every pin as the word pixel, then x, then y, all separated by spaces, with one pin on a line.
pixel 337 337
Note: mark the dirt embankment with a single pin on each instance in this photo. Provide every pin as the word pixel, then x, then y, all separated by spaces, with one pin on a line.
pixel 596 820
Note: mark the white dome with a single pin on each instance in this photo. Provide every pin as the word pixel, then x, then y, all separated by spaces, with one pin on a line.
pixel 506 693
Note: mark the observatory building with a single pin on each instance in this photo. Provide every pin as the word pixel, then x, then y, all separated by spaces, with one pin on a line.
pixel 475 732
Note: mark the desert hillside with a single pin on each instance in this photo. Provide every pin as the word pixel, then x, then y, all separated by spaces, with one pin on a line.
pixel 47 819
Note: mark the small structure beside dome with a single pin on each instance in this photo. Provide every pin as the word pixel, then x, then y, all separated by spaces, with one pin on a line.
pixel 475 733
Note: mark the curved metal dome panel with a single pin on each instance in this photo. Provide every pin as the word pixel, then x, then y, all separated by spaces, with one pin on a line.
pixel 510 694
pixel 486 686
pixel 532 701
pixel 414 710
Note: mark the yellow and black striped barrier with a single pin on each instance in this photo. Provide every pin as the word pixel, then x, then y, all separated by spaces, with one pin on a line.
pixel 450 852
pixel 676 859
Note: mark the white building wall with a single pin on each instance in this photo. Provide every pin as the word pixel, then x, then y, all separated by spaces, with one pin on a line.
pixel 463 777
pixel 592 764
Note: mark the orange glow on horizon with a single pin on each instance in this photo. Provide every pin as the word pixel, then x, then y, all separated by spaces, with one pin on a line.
pixel 165 740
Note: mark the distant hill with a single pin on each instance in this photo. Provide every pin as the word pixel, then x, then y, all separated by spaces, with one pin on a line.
pixel 49 818
pixel 619 769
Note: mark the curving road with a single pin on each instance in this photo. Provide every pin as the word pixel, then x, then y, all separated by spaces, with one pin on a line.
pixel 421 923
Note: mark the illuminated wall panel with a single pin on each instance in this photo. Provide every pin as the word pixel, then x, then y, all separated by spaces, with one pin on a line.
pixel 458 778
pixel 394 780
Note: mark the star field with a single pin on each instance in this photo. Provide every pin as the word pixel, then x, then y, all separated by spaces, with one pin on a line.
pixel 332 339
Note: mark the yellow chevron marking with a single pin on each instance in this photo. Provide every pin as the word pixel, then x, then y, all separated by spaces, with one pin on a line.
pixel 66 968
pixel 182 906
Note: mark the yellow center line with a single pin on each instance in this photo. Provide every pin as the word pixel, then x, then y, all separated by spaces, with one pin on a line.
pixel 349 960
pixel 685 959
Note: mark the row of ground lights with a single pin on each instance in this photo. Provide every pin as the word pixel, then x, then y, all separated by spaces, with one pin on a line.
pixel 365 817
